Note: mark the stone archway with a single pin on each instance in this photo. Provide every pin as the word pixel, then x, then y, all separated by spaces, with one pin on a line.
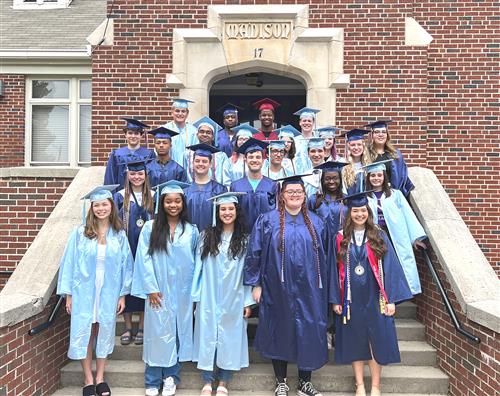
pixel 268 38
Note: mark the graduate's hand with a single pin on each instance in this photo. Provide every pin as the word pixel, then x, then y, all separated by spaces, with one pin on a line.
pixel 337 309
pixel 121 305
pixel 247 311
pixel 390 309
pixel 256 294
pixel 155 300
pixel 419 244
pixel 68 304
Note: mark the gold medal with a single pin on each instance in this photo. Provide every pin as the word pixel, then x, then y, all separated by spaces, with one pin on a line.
pixel 139 222
pixel 359 270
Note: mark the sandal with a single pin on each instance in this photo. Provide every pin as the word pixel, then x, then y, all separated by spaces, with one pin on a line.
pixel 88 390
pixel 206 390
pixel 126 339
pixel 139 339
pixel 360 390
pixel 375 391
pixel 222 391
pixel 103 389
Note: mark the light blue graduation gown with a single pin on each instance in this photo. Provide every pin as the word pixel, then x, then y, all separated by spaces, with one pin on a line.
pixel 77 278
pixel 170 274
pixel 186 137
pixel 220 163
pixel 286 170
pixel 238 168
pixel 220 296
pixel 117 163
pixel 404 230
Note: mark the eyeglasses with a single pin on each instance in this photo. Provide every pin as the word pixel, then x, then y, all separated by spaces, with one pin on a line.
pixel 278 152
pixel 380 132
pixel 292 193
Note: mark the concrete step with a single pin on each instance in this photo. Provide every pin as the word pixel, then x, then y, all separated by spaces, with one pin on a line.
pixel 259 377
pixel 76 391
pixel 413 353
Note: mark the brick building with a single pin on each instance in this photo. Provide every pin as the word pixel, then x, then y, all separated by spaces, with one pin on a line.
pixel 70 69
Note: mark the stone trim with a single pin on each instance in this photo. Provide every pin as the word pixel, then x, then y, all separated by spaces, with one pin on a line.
pixel 35 171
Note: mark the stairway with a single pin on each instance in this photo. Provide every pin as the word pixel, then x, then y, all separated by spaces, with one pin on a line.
pixel 415 376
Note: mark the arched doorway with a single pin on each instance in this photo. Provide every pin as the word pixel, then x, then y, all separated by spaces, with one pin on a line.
pixel 243 90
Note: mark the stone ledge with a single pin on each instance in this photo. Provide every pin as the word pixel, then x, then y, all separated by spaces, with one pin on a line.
pixel 38 171
pixel 472 279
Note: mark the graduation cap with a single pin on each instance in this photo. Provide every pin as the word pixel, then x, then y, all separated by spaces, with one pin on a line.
pixel 228 108
pixel 266 104
pixel 377 166
pixel 169 187
pixel 135 125
pixel 379 124
pixel 277 144
pixel 331 166
pixel 252 145
pixel 203 150
pixel 224 198
pixel 355 134
pixel 307 112
pixel 328 131
pixel 180 103
pixel 288 131
pixel 357 199
pixel 208 122
pixel 294 179
pixel 163 133
pixel 315 142
pixel 98 194
pixel 136 166
pixel 245 130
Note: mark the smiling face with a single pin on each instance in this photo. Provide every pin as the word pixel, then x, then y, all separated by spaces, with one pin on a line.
pixel 102 209
pixel 266 118
pixel 137 178
pixel 306 125
pixel 227 213
pixel 201 165
pixel 294 195
pixel 172 203
pixel 288 143
pixel 163 146
pixel 379 136
pixel 331 180
pixel 277 156
pixel 329 142
pixel 241 140
pixel 180 115
pixel 359 216
pixel 230 120
pixel 254 161
pixel 316 155
pixel 376 180
pixel 356 148
pixel 133 137
pixel 205 134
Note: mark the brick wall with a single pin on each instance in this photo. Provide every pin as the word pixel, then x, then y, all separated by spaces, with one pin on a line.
pixel 25 203
pixel 12 120
pixel 473 370
pixel 30 364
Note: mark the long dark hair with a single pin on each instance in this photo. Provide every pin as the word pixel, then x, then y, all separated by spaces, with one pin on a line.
pixel 386 186
pixel 160 234
pixel 372 235
pixel 212 236
pixel 320 196
pixel 291 153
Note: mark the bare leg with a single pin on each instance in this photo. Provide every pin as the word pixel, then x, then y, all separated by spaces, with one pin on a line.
pixel 375 371
pixel 127 316
pixel 87 362
pixel 358 367
pixel 100 364
pixel 141 320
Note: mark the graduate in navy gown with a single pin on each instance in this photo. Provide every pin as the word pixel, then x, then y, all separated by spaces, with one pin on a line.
pixel 326 202
pixel 260 190
pixel 135 205
pixel 371 282
pixel 287 264
pixel 381 148
pixel 132 152
pixel 353 175
pixel 163 168
pixel 225 136
pixel 203 187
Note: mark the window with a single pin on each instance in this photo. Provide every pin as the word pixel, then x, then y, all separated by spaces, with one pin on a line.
pixel 40 4
pixel 58 127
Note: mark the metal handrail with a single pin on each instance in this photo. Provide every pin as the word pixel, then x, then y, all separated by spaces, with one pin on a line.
pixel 52 318
pixel 6 272
pixel 446 301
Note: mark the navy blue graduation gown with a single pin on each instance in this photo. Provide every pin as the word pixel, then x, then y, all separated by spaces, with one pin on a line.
pixel 399 176
pixel 293 313
pixel 331 211
pixel 254 203
pixel 367 325
pixel 160 173
pixel 117 163
pixel 200 210
pixel 224 142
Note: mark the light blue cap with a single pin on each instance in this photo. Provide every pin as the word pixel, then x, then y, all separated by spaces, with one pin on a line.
pixel 180 103
pixel 377 166
pixel 328 131
pixel 169 187
pixel 277 144
pixel 288 131
pixel 307 112
pixel 98 194
pixel 316 142
pixel 207 121
pixel 224 198
pixel 245 130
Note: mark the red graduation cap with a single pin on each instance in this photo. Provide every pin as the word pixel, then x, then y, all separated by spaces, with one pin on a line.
pixel 266 104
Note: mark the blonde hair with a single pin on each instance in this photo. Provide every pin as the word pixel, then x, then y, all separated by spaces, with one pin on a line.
pixel 348 171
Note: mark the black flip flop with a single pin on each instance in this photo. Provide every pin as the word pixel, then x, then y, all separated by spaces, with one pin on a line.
pixel 88 390
pixel 126 339
pixel 103 388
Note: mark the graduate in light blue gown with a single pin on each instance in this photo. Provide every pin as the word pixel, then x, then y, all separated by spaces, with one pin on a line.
pixel 260 190
pixel 186 132
pixel 220 169
pixel 237 160
pixel 329 135
pixel 307 123
pixel 203 187
pixel 222 302
pixel 95 275
pixel 371 283
pixel 381 148
pixel 287 134
pixel 163 275
pixel 353 175
pixel 132 152
pixel 275 167
pixel 315 157
pixel 393 214
pixel 225 136
pixel 163 168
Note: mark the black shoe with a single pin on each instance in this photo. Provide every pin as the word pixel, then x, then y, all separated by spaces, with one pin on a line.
pixel 281 389
pixel 307 389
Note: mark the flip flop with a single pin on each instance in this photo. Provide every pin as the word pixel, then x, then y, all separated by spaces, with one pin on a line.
pixel 126 339
pixel 103 389
pixel 139 339
pixel 88 390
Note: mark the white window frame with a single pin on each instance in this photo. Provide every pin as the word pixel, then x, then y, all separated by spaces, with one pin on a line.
pixel 73 103
pixel 40 4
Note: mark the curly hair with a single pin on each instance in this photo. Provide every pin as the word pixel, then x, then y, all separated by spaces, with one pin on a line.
pixel 388 148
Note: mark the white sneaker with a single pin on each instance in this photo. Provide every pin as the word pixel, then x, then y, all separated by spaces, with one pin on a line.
pixel 151 392
pixel 169 387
